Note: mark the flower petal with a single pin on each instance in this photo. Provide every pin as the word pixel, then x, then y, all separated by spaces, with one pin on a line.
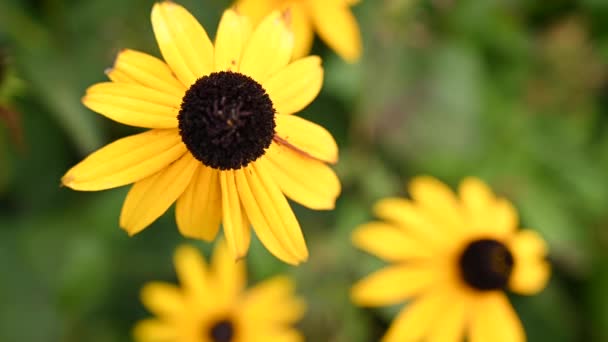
pixel 531 270
pixel 230 276
pixel 414 321
pixel 149 198
pixel 198 210
pixel 495 320
pixel 193 275
pixel 338 27
pixel 183 42
pixel 306 137
pixel 305 180
pixel 265 216
pixel 276 293
pixel 485 212
pixel 393 284
pixel 389 242
pixel 153 330
pixel 232 34
pixel 140 68
pixel 406 216
pixel 295 86
pixel 126 161
pixel 269 49
pixel 303 31
pixel 449 324
pixel 439 203
pixel 234 219
pixel 133 104
pixel 163 299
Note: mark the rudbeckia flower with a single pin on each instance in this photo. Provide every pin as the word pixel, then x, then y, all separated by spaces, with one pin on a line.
pixel 331 19
pixel 222 141
pixel 453 257
pixel 212 304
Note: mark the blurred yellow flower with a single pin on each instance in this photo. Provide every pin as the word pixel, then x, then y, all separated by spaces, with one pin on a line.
pixel 453 258
pixel 223 142
pixel 331 19
pixel 212 304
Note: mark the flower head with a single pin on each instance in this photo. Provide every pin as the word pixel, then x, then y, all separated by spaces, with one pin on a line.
pixel 212 304
pixel 453 258
pixel 331 19
pixel 223 142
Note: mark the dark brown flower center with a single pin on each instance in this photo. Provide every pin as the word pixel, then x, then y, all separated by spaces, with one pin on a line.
pixel 486 265
pixel 226 120
pixel 222 331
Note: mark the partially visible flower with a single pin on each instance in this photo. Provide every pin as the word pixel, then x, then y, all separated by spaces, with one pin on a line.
pixel 453 258
pixel 224 143
pixel 331 19
pixel 212 304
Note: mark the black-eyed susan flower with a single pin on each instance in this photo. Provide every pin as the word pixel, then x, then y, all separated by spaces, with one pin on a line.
pixel 212 304
pixel 453 256
pixel 223 142
pixel 331 19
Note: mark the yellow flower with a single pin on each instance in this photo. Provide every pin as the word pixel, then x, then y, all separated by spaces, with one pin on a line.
pixel 212 304
pixel 332 19
pixel 453 257
pixel 223 142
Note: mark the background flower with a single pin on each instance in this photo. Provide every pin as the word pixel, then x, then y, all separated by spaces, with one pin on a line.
pixel 448 88
pixel 452 257
pixel 332 20
pixel 211 303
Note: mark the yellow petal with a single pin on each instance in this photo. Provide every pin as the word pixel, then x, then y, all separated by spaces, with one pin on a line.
pixel 140 68
pixel 256 10
pixel 126 161
pixel 229 274
pixel 163 299
pixel 279 335
pixel 393 284
pixel 269 49
pixel 303 31
pixel 191 269
pixel 389 242
pixel 276 293
pixel 265 217
pixel 149 198
pixel 495 320
pixel 449 324
pixel 485 212
pixel 414 322
pixel 232 34
pixel 182 41
pixel 235 222
pixel 531 271
pixel 152 330
pixel 306 137
pixel 305 180
pixel 409 218
pixel 439 203
pixel 338 27
pixel 133 104
pixel 198 210
pixel 295 86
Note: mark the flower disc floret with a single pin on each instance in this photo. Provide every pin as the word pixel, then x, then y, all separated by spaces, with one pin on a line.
pixel 226 120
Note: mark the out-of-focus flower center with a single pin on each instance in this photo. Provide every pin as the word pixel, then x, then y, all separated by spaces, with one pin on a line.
pixel 222 331
pixel 486 265
pixel 226 120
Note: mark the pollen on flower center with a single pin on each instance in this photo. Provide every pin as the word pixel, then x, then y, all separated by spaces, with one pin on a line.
pixel 486 264
pixel 222 331
pixel 226 120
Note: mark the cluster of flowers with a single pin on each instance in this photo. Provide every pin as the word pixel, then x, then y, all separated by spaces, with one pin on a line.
pixel 224 145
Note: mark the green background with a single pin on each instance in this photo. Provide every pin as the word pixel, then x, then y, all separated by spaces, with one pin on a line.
pixel 514 92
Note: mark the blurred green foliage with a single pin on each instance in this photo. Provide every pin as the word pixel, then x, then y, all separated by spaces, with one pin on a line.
pixel 511 91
